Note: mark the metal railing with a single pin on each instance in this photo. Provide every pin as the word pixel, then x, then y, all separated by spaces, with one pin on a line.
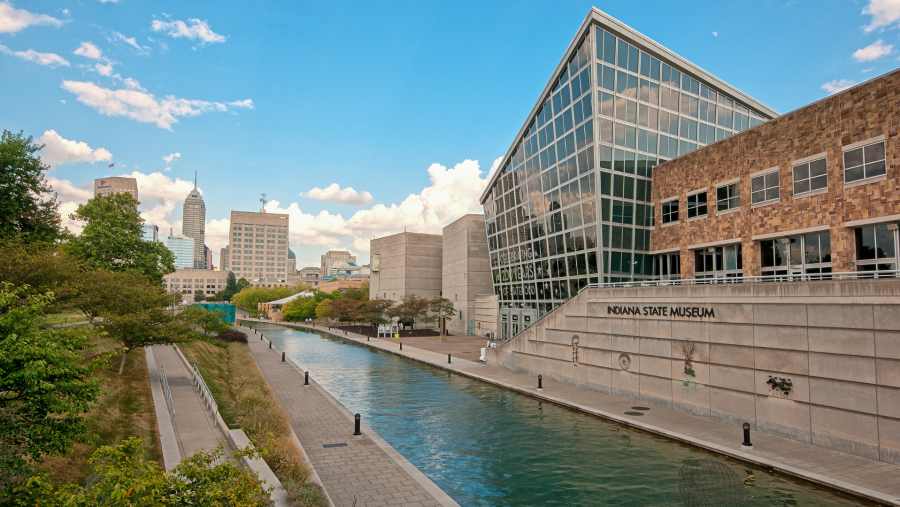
pixel 164 381
pixel 779 278
pixel 205 394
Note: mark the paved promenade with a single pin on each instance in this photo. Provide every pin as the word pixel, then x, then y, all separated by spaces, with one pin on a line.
pixel 852 474
pixel 364 471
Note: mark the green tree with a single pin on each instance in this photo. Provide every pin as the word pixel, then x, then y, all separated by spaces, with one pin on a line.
pixel 323 309
pixel 140 315
pixel 124 478
pixel 198 296
pixel 25 208
pixel 242 284
pixel 249 298
pixel 45 385
pixel 210 321
pixel 440 309
pixel 111 238
pixel 411 307
pixel 42 267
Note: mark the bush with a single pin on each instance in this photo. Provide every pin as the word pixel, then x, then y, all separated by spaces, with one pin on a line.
pixel 232 336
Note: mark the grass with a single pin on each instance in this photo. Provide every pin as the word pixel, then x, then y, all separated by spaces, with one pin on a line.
pixel 240 388
pixel 124 410
pixel 65 317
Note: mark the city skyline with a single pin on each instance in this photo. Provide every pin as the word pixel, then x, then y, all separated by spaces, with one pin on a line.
pixel 93 56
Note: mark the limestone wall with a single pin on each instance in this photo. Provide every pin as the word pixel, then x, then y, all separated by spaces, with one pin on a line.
pixel 837 342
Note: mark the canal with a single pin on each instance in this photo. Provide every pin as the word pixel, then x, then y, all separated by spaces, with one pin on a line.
pixel 487 446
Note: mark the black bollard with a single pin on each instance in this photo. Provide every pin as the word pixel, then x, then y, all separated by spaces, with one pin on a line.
pixel 448 359
pixel 306 379
pixel 260 337
pixel 401 345
pixel 270 344
pixel 540 383
pixel 356 425
pixel 746 445
pixel 282 357
pixel 367 339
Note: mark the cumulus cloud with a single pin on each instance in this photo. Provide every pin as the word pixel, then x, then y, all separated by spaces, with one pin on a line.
pixel 837 85
pixel 48 59
pixel 198 30
pixel 89 50
pixel 884 13
pixel 873 51
pixel 103 70
pixel 171 156
pixel 58 151
pixel 133 84
pixel 12 20
pixel 334 193
pixel 138 104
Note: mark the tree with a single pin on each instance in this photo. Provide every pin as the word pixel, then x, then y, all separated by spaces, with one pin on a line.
pixel 323 309
pixel 242 284
pixel 139 316
pixel 42 267
pixel 111 239
pixel 26 210
pixel 123 477
pixel 441 308
pixel 198 296
pixel 249 298
pixel 210 321
pixel 45 385
pixel 411 307
pixel 343 309
pixel 372 311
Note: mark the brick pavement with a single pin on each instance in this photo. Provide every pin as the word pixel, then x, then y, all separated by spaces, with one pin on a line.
pixel 366 468
pixel 846 472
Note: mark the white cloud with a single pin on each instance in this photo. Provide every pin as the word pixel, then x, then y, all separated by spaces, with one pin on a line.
pixel 837 85
pixel 883 12
pixel 60 151
pixel 334 193
pixel 63 101
pixel 48 59
pixel 131 41
pixel 171 156
pixel 715 34
pixel 89 50
pixel 109 1
pixel 104 70
pixel 139 105
pixel 133 84
pixel 198 30
pixel 12 20
pixel 873 51
pixel 248 103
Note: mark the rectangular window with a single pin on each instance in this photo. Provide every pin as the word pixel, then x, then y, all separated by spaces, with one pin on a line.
pixel 864 162
pixel 764 187
pixel 670 211
pixel 810 176
pixel 728 197
pixel 696 205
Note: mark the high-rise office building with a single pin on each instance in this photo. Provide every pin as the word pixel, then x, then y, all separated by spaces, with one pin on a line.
pixel 194 224
pixel 571 204
pixel 183 248
pixel 224 263
pixel 149 232
pixel 207 254
pixel 115 185
pixel 258 247
pixel 333 256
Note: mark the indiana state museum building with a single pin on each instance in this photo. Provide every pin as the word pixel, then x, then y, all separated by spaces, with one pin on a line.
pixel 658 235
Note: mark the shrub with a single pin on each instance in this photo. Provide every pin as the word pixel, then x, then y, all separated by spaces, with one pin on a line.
pixel 232 336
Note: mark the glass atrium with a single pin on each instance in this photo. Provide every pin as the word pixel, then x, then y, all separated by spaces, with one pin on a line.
pixel 574 196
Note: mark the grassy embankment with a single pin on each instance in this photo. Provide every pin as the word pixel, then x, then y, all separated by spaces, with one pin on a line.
pixel 65 317
pixel 124 410
pixel 246 401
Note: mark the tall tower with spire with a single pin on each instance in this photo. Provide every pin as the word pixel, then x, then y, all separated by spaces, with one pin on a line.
pixel 194 224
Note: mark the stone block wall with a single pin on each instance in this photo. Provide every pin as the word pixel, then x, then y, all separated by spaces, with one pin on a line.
pixel 837 342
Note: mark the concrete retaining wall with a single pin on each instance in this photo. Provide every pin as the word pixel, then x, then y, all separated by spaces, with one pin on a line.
pixel 711 350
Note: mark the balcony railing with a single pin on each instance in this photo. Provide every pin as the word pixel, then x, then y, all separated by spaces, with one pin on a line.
pixel 780 278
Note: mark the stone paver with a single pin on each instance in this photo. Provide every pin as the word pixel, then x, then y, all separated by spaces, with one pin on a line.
pixel 193 427
pixel 367 469
pixel 847 472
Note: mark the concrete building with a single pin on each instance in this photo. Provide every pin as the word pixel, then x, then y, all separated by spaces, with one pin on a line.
pixel 194 225
pixel 342 284
pixel 617 105
pixel 207 252
pixel 258 247
pixel 149 232
pixel 183 248
pixel 333 256
pixel 189 280
pixel 311 276
pixel 224 264
pixel 115 185
pixel 465 271
pixel 406 263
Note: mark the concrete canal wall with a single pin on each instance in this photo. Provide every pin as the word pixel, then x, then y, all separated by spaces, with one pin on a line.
pixel 815 362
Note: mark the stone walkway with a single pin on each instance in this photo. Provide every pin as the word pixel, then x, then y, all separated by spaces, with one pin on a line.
pixel 852 474
pixel 193 426
pixel 364 471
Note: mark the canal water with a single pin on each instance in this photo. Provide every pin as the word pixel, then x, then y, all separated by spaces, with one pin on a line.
pixel 487 446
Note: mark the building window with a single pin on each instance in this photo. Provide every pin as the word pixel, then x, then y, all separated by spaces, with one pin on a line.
pixel 865 162
pixel 718 262
pixel 810 176
pixel 696 205
pixel 670 211
pixel 667 266
pixel 876 248
pixel 808 254
pixel 764 188
pixel 728 197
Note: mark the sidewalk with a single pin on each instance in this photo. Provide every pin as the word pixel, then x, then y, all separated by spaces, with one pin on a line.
pixel 364 471
pixel 852 474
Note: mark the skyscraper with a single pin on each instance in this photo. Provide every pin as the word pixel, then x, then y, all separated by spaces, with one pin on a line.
pixel 258 247
pixel 183 248
pixel 194 224
pixel 115 185
pixel 149 232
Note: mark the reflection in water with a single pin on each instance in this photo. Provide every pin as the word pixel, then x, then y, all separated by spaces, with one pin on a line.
pixel 488 446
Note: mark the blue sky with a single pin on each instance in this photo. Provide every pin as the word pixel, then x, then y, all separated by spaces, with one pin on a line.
pixel 407 103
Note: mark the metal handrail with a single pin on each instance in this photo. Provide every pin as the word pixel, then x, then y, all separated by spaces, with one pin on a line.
pixel 167 392
pixel 207 396
pixel 799 277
